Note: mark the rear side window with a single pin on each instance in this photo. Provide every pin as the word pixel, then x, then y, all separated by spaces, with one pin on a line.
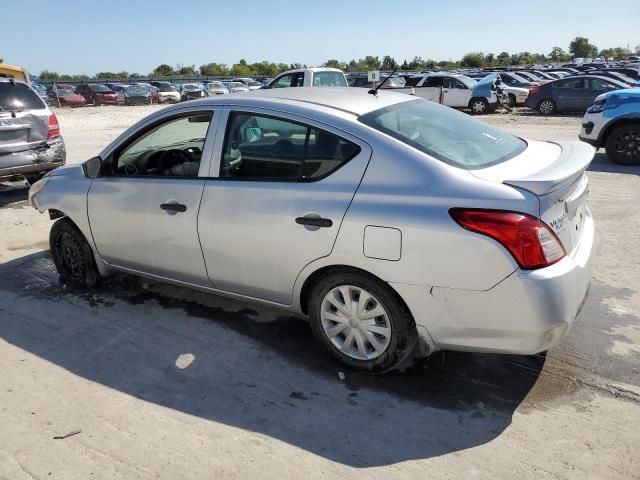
pixel 19 96
pixel 573 83
pixel 446 134
pixel 329 79
pixel 266 148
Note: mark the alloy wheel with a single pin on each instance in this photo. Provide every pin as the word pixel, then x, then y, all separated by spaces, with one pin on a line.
pixel 355 322
pixel 546 107
pixel 627 145
pixel 478 107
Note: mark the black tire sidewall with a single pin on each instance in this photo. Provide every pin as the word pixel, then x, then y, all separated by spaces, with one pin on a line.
pixel 403 330
pixel 92 276
pixel 610 149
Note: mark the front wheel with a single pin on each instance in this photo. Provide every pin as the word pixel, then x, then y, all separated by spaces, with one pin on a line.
pixel 623 145
pixel 361 321
pixel 72 256
pixel 479 106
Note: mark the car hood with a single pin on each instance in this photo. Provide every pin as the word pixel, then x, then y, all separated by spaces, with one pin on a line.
pixel 65 170
pixel 626 95
pixel 484 87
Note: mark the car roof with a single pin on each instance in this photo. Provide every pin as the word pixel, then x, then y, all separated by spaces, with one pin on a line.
pixel 356 101
pixel 600 77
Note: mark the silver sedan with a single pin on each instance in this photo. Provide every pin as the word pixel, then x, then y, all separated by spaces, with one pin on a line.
pixel 398 226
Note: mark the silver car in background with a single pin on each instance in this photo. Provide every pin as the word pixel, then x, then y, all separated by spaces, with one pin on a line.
pixel 236 87
pixel 398 226
pixel 216 88
pixel 30 140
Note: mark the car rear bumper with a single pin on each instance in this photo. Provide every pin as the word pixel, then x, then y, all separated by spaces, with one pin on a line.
pixel 36 160
pixel 528 312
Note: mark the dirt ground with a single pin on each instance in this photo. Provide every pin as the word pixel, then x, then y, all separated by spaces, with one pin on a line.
pixel 162 382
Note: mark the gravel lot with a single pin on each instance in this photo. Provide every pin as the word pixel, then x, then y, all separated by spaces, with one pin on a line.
pixel 163 382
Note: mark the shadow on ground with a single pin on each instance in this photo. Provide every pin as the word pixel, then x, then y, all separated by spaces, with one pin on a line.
pixel 258 370
pixel 601 163
pixel 13 192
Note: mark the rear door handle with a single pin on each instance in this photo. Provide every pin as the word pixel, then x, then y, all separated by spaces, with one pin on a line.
pixel 314 221
pixel 173 207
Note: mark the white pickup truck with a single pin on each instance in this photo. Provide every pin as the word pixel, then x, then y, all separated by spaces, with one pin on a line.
pixel 310 77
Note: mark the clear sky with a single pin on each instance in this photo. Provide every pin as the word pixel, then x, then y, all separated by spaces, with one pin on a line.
pixel 70 36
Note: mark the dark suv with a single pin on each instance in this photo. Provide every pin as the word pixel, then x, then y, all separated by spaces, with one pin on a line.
pixel 30 141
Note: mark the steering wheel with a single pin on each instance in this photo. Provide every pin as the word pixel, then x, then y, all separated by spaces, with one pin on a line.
pixel 180 155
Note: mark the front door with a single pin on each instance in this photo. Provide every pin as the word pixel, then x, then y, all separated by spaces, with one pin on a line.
pixel 143 209
pixel 455 93
pixel 283 187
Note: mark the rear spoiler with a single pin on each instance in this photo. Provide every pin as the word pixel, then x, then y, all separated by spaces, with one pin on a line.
pixel 574 159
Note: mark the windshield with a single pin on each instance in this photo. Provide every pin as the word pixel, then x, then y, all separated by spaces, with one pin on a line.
pixel 65 93
pixel 99 88
pixel 446 134
pixel 216 85
pixel 329 79
pixel 190 87
pixel 19 96
pixel 254 84
pixel 236 85
pixel 136 89
pixel 518 78
pixel 167 88
pixel 468 81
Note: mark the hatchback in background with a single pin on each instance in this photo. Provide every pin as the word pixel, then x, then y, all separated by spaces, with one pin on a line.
pixel 67 98
pixel 191 91
pixel 571 94
pixel 30 140
pixel 95 94
pixel 168 93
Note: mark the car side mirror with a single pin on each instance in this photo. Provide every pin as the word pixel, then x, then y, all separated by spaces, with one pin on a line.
pixel 91 168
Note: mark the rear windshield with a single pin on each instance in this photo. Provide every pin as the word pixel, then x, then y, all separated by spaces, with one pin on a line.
pixel 99 88
pixel 19 96
pixel 446 134
pixel 167 88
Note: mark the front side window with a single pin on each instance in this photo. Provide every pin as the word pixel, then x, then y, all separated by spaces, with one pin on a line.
pixel 259 147
pixel 446 134
pixel 282 82
pixel 173 148
pixel 599 84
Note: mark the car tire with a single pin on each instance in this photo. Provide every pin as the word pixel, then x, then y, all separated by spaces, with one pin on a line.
pixel 150 101
pixel 31 179
pixel 623 144
pixel 512 100
pixel 479 105
pixel 395 332
pixel 547 106
pixel 95 102
pixel 72 256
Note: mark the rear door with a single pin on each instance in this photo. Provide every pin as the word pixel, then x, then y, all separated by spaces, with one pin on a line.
pixel 276 200
pixel 454 92
pixel 143 208
pixel 570 94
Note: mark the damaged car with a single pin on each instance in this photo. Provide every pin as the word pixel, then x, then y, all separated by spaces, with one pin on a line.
pixel 30 140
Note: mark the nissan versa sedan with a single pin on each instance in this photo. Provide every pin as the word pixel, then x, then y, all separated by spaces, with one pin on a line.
pixel 398 226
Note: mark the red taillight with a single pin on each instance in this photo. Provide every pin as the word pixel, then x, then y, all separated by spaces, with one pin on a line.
pixel 530 241
pixel 533 90
pixel 54 127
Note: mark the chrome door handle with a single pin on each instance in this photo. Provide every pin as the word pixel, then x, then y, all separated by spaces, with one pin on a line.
pixel 314 222
pixel 173 207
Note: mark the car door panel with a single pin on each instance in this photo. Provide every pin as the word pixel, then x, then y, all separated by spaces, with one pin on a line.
pixel 251 241
pixel 135 225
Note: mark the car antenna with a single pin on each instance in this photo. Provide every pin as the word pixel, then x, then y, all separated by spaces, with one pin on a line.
pixel 374 91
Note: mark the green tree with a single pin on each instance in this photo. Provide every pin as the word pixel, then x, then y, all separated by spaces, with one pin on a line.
pixel 187 70
pixel 333 63
pixel 1 60
pixel 489 60
pixel 106 75
pixel 46 75
pixel 162 70
pixel 503 58
pixel 473 59
pixel 241 70
pixel 388 63
pixel 581 48
pixel 214 69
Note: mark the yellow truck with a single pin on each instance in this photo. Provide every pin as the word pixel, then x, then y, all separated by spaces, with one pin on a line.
pixel 15 72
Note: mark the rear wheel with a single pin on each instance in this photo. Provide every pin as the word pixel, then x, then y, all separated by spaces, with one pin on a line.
pixel 547 106
pixel 361 321
pixel 623 144
pixel 95 102
pixel 479 105
pixel 72 256
pixel 511 99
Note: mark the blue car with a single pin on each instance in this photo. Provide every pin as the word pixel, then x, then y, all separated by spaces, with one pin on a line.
pixel 613 122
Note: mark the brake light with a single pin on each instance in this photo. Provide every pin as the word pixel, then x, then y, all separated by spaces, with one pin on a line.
pixel 533 90
pixel 531 243
pixel 54 127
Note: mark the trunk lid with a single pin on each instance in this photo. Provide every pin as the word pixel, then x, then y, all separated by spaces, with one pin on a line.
pixel 25 130
pixel 554 172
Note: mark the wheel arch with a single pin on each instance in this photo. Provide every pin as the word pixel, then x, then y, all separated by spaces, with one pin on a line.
pixel 617 122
